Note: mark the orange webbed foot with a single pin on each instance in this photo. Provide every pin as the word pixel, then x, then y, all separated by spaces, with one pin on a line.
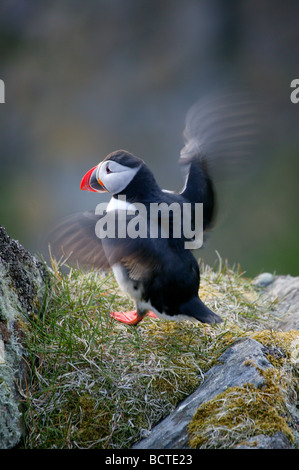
pixel 131 317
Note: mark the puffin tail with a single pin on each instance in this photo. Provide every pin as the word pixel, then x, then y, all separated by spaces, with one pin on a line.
pixel 197 309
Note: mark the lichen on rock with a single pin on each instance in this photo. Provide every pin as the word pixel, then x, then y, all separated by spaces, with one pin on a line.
pixel 22 287
pixel 22 278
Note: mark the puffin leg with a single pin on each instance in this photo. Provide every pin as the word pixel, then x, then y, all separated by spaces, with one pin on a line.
pixel 132 317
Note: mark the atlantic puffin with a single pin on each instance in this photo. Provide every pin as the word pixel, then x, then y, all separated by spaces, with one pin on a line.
pixel 160 274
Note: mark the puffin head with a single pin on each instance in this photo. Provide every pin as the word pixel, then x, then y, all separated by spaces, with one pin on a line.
pixel 113 174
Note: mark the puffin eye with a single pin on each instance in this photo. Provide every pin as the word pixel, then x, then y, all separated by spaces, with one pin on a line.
pixel 108 170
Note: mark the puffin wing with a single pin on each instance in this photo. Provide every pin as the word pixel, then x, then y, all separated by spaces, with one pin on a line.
pixel 222 130
pixel 74 240
pixel 82 240
pixel 220 137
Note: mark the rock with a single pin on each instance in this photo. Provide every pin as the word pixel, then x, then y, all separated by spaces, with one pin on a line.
pixel 285 290
pixel 277 441
pixel 22 287
pixel 263 280
pixel 237 366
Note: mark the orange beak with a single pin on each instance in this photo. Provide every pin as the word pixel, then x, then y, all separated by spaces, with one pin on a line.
pixel 91 183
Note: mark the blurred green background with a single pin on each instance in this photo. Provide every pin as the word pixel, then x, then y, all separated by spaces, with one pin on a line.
pixel 84 78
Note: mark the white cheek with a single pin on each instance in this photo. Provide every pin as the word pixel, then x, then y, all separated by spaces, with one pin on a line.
pixel 116 182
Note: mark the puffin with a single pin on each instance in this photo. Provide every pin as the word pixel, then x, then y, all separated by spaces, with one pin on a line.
pixel 160 273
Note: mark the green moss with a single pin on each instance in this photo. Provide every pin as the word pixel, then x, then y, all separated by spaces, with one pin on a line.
pixel 242 412
pixel 93 421
pixel 286 341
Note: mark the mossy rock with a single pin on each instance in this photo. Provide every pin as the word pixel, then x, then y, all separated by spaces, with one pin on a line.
pixel 22 289
pixel 237 415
